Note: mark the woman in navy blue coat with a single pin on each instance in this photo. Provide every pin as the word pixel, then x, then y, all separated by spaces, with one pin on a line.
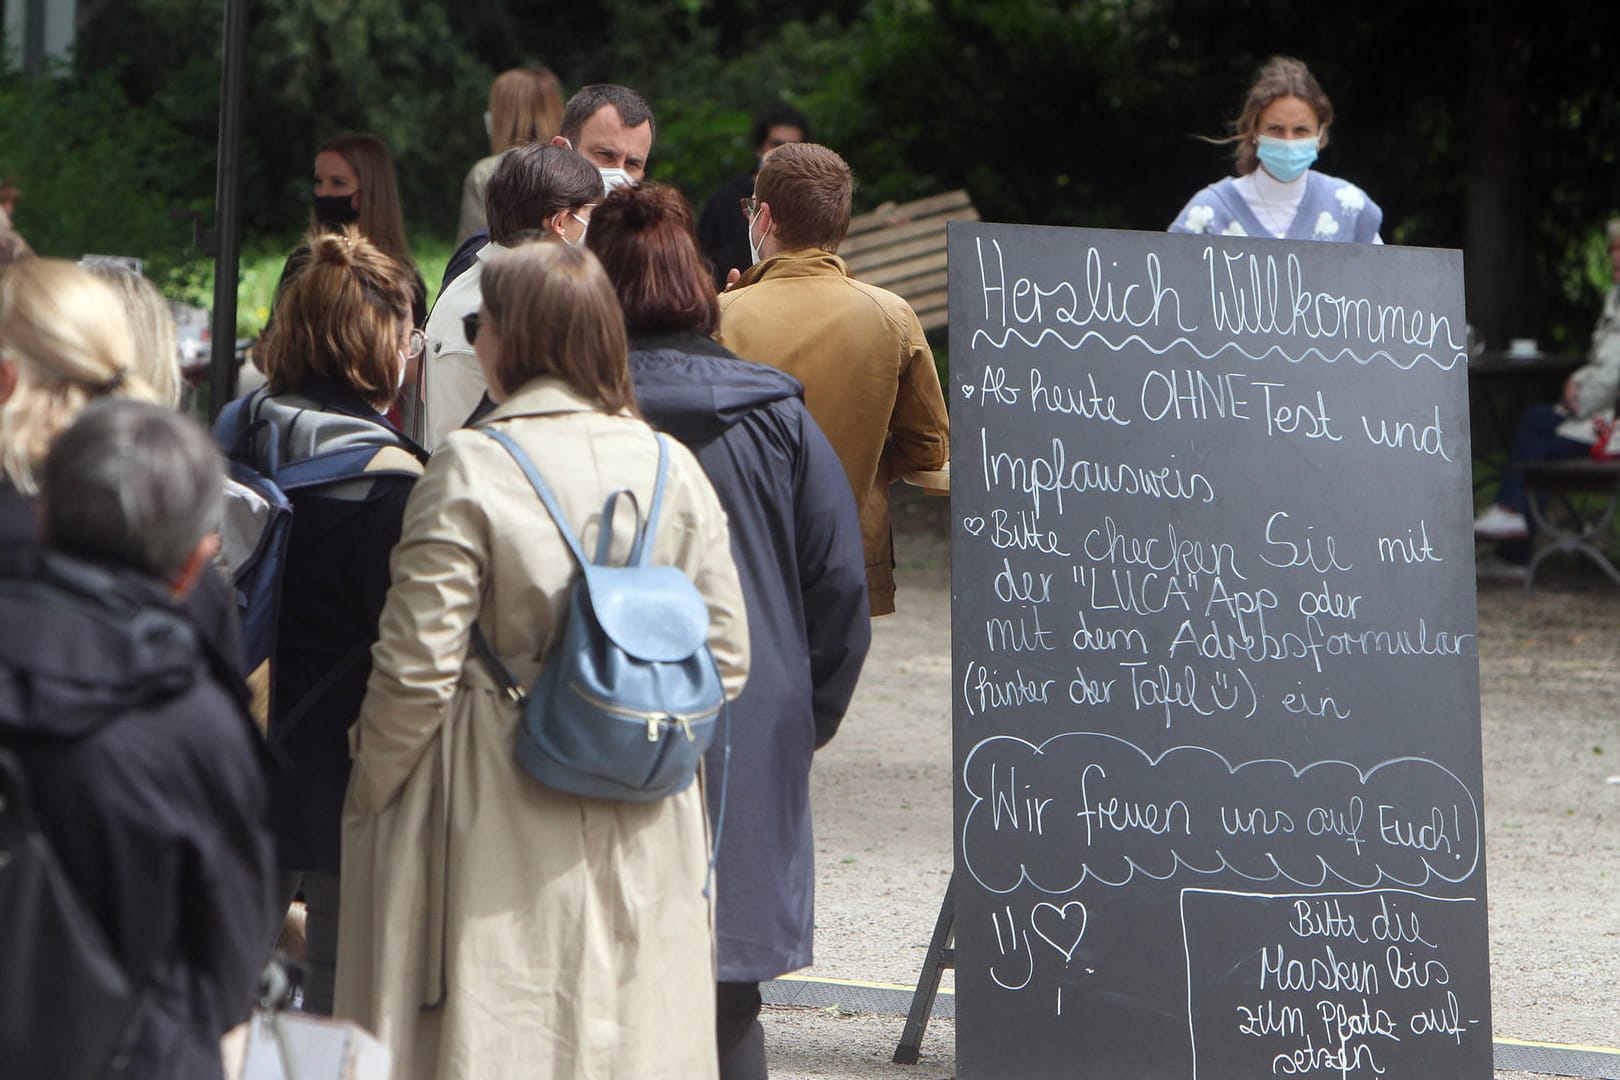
pixel 796 540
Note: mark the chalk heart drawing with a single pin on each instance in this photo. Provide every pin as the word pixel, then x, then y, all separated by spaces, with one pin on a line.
pixel 967 390
pixel 973 525
pixel 1063 928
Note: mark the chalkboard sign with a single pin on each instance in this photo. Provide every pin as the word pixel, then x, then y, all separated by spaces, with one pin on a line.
pixel 1218 779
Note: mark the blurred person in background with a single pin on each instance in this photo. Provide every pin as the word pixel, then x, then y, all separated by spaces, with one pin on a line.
pixel 334 361
pixel 723 232
pixel 157 359
pixel 796 539
pixel 12 245
pixel 525 106
pixel 64 341
pixel 147 775
pixel 1583 419
pixel 355 185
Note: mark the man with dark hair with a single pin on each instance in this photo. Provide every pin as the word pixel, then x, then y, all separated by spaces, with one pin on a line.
pixel 868 374
pixel 612 126
pixel 148 778
pixel 723 230
pixel 535 189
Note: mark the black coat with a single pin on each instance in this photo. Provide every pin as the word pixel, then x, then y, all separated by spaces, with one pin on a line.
pixel 723 230
pixel 332 591
pixel 796 540
pixel 151 783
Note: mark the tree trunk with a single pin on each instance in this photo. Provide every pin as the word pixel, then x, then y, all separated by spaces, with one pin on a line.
pixel 1500 221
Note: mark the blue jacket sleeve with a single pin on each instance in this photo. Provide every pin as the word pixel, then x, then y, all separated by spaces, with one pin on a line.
pixel 832 577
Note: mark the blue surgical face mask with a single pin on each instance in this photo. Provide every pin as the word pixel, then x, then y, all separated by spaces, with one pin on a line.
pixel 1286 159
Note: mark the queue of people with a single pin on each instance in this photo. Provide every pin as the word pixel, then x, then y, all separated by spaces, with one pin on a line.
pixel 480 922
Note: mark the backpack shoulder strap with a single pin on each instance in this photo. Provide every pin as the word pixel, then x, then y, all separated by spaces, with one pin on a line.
pixel 540 489
pixel 642 552
pixel 353 463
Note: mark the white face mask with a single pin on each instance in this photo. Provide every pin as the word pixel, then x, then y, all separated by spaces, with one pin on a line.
pixel 611 178
pixel 584 227
pixel 753 248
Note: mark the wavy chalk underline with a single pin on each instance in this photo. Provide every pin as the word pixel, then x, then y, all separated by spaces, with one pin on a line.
pixel 1230 346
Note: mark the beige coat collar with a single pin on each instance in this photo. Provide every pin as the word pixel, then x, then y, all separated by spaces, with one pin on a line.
pixel 544 395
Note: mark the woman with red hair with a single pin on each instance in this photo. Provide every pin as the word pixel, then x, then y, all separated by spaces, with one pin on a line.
pixel 796 539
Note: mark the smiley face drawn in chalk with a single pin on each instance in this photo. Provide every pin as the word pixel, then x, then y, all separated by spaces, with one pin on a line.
pixel 1060 924
pixel 973 525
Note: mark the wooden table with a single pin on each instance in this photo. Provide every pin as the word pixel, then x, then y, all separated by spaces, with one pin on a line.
pixel 1500 386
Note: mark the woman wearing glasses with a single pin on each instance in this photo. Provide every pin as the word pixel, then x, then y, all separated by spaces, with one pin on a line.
pixel 336 357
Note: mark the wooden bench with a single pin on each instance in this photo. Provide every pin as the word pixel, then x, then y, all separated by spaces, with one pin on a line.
pixel 1582 523
pixel 902 248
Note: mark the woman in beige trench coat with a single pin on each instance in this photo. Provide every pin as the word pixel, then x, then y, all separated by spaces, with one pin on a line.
pixel 492 927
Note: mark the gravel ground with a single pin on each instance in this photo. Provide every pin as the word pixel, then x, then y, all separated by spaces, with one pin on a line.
pixel 1550 693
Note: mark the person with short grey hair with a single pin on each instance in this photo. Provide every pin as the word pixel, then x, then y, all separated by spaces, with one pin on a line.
pixel 138 485
pixel 148 777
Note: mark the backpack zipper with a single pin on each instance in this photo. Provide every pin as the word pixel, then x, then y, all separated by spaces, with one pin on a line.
pixel 653 719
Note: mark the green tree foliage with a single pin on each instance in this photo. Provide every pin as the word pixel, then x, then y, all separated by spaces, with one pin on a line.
pixel 1063 112
pixel 97 172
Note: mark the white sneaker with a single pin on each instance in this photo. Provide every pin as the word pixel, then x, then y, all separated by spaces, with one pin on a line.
pixel 1500 523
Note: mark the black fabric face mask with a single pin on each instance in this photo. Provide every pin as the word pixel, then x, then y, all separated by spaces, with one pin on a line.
pixel 335 211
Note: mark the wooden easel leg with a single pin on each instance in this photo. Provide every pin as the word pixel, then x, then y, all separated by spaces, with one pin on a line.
pixel 941 955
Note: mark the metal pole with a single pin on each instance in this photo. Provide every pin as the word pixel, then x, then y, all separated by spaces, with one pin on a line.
pixel 228 208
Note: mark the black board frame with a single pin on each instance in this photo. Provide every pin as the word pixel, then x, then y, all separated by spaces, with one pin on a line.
pixel 1075 951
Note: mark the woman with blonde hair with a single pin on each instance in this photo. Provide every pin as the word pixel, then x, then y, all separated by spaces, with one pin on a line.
pixel 157 359
pixel 64 340
pixel 334 361
pixel 492 925
pixel 525 106
pixel 1276 194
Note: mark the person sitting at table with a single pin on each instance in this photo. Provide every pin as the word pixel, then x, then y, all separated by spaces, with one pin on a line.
pixel 1569 429
pixel 1276 194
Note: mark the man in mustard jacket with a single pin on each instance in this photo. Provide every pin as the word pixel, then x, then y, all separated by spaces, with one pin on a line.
pixel 868 374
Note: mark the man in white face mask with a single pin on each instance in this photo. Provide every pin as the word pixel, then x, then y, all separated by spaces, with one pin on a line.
pixel 612 127
pixel 535 189
pixel 868 374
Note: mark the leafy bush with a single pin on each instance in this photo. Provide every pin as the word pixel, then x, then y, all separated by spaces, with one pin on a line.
pixel 96 172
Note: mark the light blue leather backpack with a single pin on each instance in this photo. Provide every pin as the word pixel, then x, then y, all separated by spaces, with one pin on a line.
pixel 628 701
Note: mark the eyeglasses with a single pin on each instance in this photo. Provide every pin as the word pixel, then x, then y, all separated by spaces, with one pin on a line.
pixel 469 326
pixel 416 345
pixel 750 206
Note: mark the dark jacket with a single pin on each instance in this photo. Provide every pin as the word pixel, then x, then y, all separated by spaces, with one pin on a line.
pixel 722 230
pixel 16 516
pixel 332 591
pixel 211 604
pixel 151 783
pixel 796 540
